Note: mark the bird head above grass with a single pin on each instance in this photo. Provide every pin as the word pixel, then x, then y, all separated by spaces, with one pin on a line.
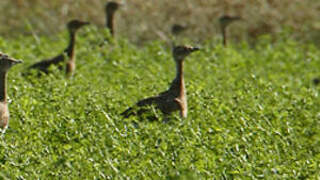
pixel 227 19
pixel 74 25
pixel 111 7
pixel 180 52
pixel 178 28
pixel 7 62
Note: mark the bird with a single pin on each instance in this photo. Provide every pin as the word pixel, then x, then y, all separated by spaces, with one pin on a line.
pixel 110 9
pixel 68 54
pixel 175 98
pixel 224 22
pixel 6 63
pixel 177 29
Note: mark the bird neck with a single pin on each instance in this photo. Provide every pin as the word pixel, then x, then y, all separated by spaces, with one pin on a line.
pixel 110 22
pixel 177 84
pixel 224 35
pixel 3 86
pixel 70 49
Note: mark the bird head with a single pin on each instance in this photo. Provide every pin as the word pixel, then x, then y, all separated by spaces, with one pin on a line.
pixel 74 25
pixel 111 7
pixel 180 52
pixel 226 20
pixel 177 29
pixel 7 62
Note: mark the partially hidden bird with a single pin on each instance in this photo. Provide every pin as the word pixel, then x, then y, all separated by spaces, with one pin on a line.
pixel 175 98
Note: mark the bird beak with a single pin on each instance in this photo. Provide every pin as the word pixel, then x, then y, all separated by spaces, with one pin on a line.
pixel 16 61
pixel 195 49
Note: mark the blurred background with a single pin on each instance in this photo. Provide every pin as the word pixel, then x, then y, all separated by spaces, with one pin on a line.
pixel 143 20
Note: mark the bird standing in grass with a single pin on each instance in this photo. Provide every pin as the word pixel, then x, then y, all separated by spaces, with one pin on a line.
pixel 224 22
pixel 174 98
pixel 5 64
pixel 111 8
pixel 68 54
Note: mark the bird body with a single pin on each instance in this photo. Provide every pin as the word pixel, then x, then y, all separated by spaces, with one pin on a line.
pixel 175 98
pixel 4 115
pixel 167 102
pixel 68 54
pixel 44 65
pixel 5 64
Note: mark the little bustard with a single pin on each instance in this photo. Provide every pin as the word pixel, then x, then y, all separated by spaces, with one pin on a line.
pixel 175 98
pixel 224 22
pixel 177 29
pixel 110 9
pixel 5 64
pixel 68 55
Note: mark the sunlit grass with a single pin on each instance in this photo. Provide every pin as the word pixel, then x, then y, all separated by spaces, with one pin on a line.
pixel 253 112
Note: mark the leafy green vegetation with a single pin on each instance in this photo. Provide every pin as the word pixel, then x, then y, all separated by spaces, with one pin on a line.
pixel 253 112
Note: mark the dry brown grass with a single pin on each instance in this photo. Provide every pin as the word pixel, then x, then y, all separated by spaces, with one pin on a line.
pixel 141 20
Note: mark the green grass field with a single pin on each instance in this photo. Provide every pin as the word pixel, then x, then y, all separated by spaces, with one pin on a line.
pixel 253 112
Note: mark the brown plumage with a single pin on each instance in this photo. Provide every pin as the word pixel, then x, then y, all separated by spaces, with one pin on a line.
pixel 174 98
pixel 68 54
pixel 224 22
pixel 5 64
pixel 110 9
